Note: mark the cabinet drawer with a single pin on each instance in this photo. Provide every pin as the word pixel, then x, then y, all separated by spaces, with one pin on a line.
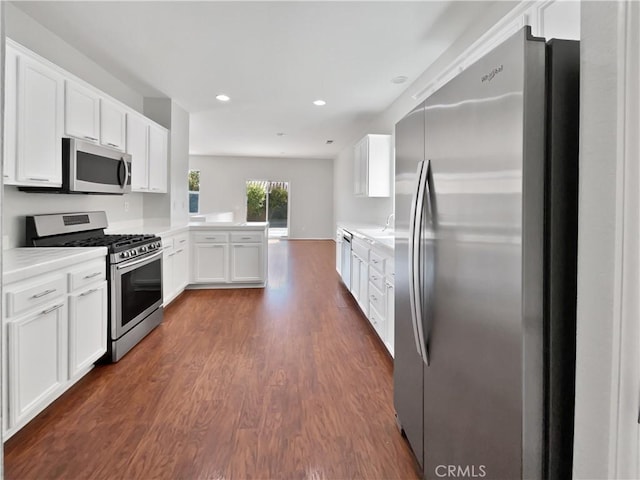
pixel 377 261
pixel 376 279
pixel 210 237
pixel 167 243
pixel 180 241
pixel 376 298
pixel 32 294
pixel 244 237
pixel 360 248
pixel 94 272
pixel 379 322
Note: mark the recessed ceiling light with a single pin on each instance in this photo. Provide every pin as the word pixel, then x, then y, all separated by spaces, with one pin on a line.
pixel 222 97
pixel 319 103
pixel 399 79
pixel 281 134
pixel 329 142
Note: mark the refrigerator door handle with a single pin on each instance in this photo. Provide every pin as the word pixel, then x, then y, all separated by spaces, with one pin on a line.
pixel 415 230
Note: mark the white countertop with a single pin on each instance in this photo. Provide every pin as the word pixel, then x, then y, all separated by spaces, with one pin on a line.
pixel 376 233
pixel 21 263
pixel 167 229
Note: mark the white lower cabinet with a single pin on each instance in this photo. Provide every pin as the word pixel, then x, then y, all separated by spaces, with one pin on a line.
pixel 246 262
pixel 54 329
pixel 210 262
pixel 223 258
pixel 175 266
pixel 87 327
pixel 372 276
pixel 37 360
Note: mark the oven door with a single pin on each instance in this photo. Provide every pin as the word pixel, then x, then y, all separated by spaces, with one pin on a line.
pixel 136 291
pixel 90 168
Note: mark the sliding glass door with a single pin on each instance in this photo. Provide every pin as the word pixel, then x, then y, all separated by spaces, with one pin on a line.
pixel 269 201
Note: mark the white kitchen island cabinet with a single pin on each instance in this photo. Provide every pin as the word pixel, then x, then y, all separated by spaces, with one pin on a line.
pixel 228 255
pixel 54 320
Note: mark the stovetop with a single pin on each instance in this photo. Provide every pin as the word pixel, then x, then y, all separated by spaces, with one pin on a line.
pixel 116 243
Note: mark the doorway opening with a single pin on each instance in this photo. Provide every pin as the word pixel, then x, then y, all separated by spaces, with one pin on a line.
pixel 269 202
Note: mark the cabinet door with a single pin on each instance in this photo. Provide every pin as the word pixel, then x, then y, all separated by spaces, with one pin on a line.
pixel 360 167
pixel 167 276
pixel 181 269
pixel 247 262
pixel 87 327
pixel 339 253
pixel 355 276
pixel 81 112
pixel 112 125
pixel 10 115
pixel 40 123
pixel 390 339
pixel 210 263
pixel 138 148
pixel 158 148
pixel 37 361
pixel 363 295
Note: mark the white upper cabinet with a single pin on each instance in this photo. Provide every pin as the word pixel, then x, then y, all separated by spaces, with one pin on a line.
pixel 158 158
pixel 82 112
pixel 372 166
pixel 10 115
pixel 138 148
pixel 147 145
pixel 40 118
pixel 43 103
pixel 112 125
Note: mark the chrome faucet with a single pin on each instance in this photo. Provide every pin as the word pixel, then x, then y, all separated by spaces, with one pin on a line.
pixel 388 224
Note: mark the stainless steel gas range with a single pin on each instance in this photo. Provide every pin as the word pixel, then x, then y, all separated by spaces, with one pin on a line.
pixel 134 271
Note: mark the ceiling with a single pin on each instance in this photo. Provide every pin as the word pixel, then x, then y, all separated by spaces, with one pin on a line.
pixel 272 58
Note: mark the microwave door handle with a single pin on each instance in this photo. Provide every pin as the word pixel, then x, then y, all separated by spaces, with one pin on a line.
pixel 126 172
pixel 123 163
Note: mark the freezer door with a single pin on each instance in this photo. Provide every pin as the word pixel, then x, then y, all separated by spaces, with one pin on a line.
pixel 484 133
pixel 407 372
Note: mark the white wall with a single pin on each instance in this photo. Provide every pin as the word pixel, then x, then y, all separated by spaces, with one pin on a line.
pixel 605 208
pixel 223 182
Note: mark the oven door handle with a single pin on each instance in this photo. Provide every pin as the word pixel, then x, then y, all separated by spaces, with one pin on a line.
pixel 138 262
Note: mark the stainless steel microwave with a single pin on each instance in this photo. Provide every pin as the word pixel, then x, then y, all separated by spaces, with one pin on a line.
pixel 91 168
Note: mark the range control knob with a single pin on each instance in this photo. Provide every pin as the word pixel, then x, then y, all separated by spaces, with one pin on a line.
pixel 143 249
pixel 123 255
pixel 133 252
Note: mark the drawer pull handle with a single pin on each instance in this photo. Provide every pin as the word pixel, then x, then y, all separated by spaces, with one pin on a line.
pixel 49 310
pixel 373 277
pixel 38 179
pixel 113 145
pixel 91 138
pixel 374 298
pixel 42 294
pixel 86 277
pixel 246 238
pixel 210 238
pixel 183 240
pixel 172 254
pixel 88 292
pixel 180 251
pixel 374 261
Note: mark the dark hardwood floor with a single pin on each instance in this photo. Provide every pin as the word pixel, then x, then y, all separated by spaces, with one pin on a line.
pixel 287 382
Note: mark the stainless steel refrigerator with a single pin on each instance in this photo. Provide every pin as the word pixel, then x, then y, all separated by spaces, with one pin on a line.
pixel 486 244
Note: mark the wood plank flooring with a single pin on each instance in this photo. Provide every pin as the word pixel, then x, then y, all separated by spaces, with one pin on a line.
pixel 287 382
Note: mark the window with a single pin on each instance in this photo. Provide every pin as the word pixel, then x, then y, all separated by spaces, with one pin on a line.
pixel 194 191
